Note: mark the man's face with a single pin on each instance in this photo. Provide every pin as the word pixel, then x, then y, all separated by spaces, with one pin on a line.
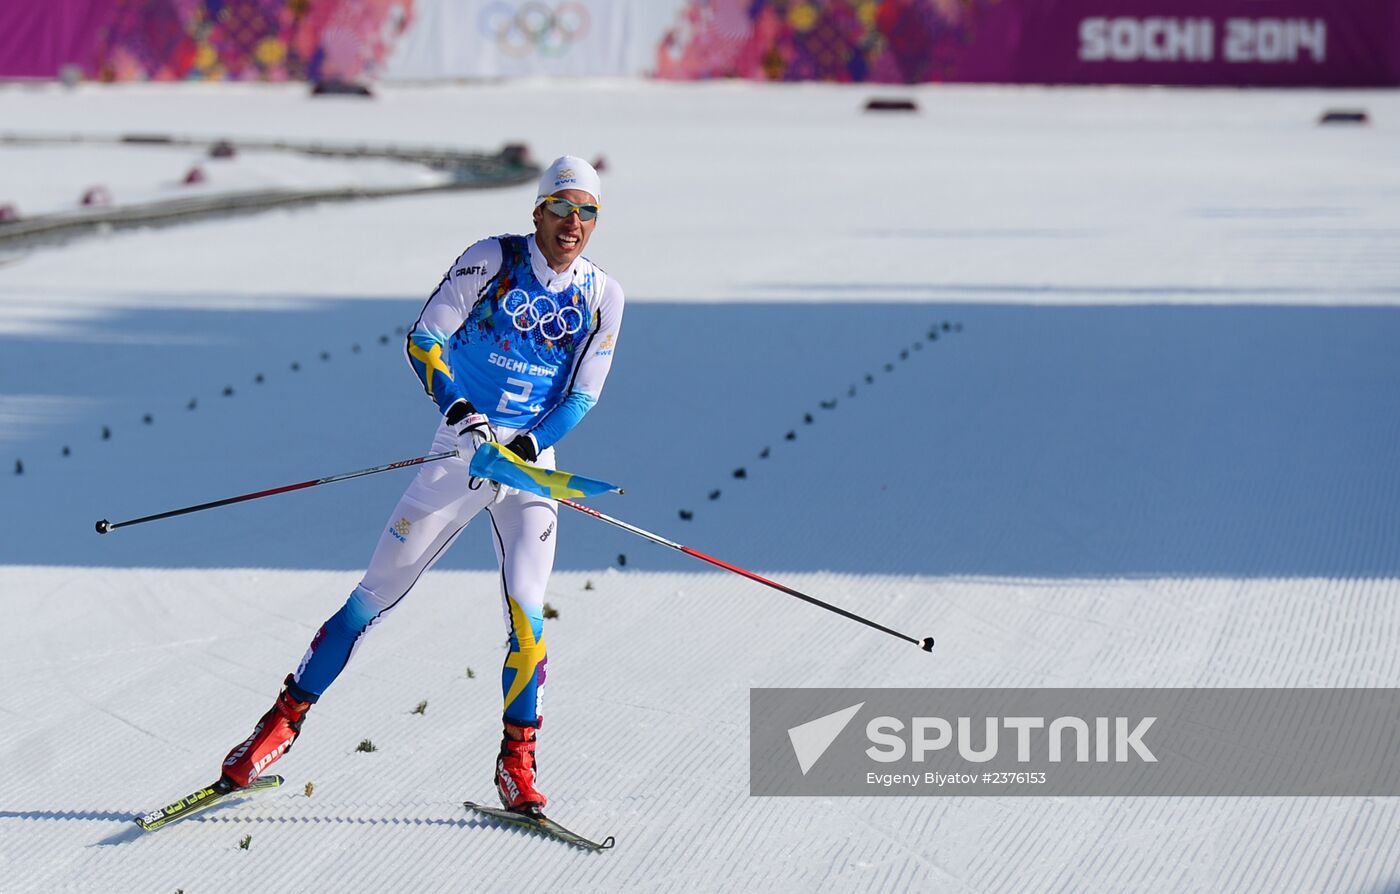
pixel 561 239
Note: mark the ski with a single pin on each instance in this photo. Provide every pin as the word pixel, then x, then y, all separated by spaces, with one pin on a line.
pixel 201 800
pixel 542 825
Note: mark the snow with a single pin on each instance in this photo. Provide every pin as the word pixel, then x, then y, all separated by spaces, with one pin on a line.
pixel 1155 446
pixel 58 176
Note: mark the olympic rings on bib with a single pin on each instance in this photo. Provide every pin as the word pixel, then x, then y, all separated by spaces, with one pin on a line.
pixel 542 313
pixel 520 29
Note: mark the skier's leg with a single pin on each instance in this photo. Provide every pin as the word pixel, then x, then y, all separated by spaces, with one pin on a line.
pixel 430 514
pixel 524 528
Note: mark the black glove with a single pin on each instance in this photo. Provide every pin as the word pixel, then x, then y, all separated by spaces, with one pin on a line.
pixel 472 428
pixel 523 446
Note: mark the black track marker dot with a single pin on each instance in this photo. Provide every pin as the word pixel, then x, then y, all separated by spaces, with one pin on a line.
pixel 66 451
pixel 383 339
pixel 228 391
pixel 106 433
pixel 355 349
pixel 295 366
pixel 714 494
pixel 686 515
pixel 258 378
pixel 194 402
pixel 740 473
pixel 790 436
pixel 763 454
pixel 148 419
pixel 807 418
pixel 19 467
pixel 621 559
pixel 869 379
pixel 325 355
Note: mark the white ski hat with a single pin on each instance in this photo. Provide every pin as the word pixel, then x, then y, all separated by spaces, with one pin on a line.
pixel 570 172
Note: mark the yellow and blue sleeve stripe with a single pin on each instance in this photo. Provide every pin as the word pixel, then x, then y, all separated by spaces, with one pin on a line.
pixel 428 355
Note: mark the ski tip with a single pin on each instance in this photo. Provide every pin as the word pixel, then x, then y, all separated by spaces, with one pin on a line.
pixel 607 843
pixel 926 644
pixel 202 799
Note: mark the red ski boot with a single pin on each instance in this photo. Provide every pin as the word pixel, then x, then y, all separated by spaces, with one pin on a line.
pixel 271 738
pixel 515 771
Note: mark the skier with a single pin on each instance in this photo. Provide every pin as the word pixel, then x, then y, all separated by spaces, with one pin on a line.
pixel 513 346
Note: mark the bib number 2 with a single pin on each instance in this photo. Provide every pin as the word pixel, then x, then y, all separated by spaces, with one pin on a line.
pixel 520 396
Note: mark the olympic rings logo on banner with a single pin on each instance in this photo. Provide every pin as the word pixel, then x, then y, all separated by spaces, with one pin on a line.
pixel 542 313
pixel 534 27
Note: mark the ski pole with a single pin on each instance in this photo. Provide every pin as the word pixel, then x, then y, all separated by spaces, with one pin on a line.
pixel 926 643
pixel 105 526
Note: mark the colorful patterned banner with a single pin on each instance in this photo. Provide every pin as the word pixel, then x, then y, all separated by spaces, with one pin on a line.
pixel 167 40
pixel 1224 42
pixel 843 40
